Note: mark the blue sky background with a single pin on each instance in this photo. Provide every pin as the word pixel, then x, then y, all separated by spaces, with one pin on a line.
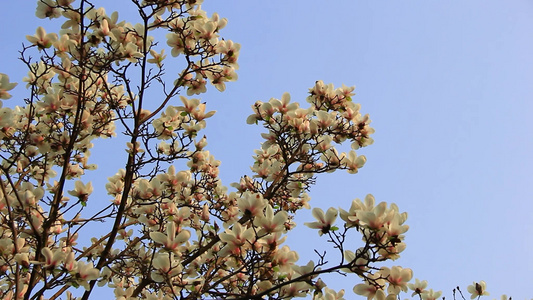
pixel 448 85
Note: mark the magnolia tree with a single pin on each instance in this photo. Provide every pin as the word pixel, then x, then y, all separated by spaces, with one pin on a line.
pixel 174 234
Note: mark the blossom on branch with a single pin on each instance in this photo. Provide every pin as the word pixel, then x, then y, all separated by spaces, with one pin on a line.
pixel 41 39
pixel 478 289
pixel 324 221
pixel 5 86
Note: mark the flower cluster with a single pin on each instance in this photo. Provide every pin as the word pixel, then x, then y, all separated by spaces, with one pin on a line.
pixel 81 84
pixel 300 142
pixel 382 230
pixel 174 233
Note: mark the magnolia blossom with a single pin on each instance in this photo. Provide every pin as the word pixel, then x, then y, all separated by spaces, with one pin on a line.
pixel 298 289
pixel 165 264
pixel 47 9
pixel 376 218
pixel 398 278
pixel 236 239
pixel 81 190
pixel 52 258
pixel 366 289
pixel 324 221
pixel 86 273
pixel 431 295
pixel 157 58
pixel 360 263
pixel 41 39
pixel 285 258
pixel 329 294
pixel 418 287
pixel 478 289
pixel 354 162
pixel 170 240
pixel 251 204
pixel 350 217
pixel 5 86
pixel 271 222
pixel 178 44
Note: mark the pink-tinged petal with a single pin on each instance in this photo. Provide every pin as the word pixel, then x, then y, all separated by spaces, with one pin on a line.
pixel 318 213
pixel 331 215
pixel 158 237
pixel 47 253
pixel 182 237
pixel 364 289
pixel 314 225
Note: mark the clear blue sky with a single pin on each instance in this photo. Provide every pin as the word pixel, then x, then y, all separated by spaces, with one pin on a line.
pixel 449 87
